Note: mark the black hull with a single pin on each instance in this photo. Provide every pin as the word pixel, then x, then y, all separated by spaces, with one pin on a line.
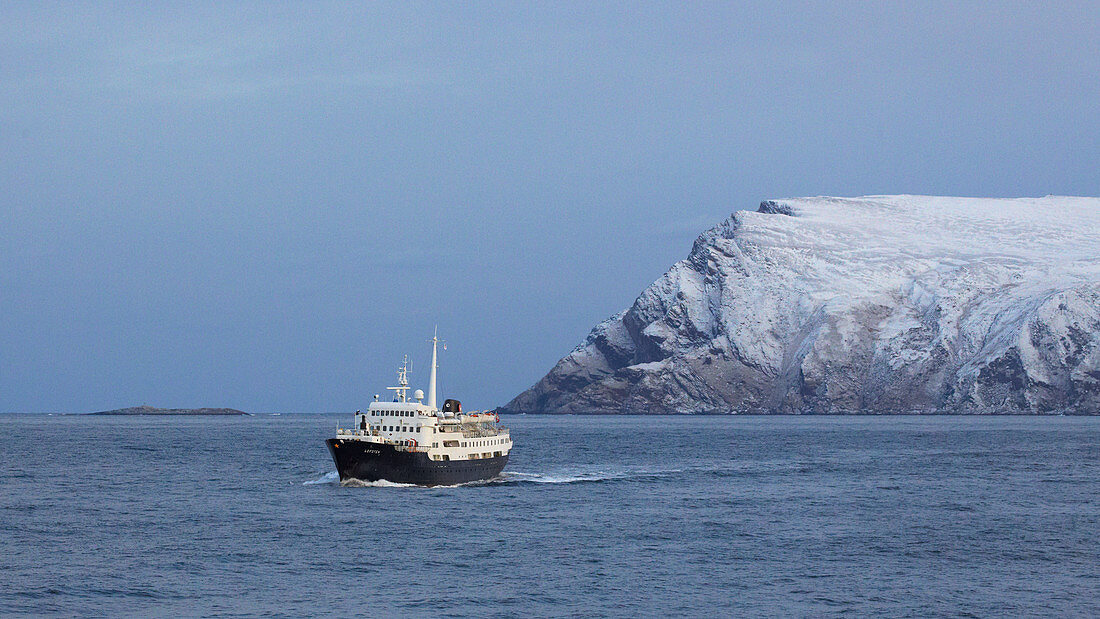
pixel 373 462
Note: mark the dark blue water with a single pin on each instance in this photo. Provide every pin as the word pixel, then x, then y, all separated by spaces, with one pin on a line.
pixel 596 516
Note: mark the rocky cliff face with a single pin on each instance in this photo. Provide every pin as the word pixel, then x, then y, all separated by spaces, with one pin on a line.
pixel 882 304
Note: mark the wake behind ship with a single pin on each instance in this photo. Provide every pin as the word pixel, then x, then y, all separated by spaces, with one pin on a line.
pixel 414 442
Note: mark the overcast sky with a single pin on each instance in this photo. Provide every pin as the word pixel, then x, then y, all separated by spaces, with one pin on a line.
pixel 263 206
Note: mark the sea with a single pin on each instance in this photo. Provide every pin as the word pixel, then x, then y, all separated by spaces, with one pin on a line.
pixel 594 516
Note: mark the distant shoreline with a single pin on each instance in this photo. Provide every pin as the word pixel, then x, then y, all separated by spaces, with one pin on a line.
pixel 150 410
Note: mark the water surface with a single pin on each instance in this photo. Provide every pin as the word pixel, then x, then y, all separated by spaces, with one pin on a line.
pixel 595 516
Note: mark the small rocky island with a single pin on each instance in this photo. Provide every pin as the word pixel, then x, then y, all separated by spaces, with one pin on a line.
pixel 150 410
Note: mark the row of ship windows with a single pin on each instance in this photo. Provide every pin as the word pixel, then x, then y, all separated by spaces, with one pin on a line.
pixel 405 429
pixel 495 454
pixel 495 441
pixel 363 426
pixel 485 443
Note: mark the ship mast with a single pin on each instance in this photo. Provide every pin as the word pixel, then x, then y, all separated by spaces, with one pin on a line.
pixel 402 387
pixel 435 364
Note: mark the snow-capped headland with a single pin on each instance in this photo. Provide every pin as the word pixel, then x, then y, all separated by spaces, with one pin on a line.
pixel 880 304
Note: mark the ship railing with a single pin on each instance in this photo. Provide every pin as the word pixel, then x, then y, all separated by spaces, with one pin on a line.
pixel 350 432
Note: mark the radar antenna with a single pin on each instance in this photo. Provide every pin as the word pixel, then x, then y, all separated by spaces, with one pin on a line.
pixel 402 388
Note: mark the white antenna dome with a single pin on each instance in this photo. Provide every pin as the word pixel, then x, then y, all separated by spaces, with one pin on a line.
pixel 418 394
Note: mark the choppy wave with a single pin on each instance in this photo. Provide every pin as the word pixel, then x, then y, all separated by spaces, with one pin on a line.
pixel 559 478
pixel 574 477
pixel 513 478
pixel 327 478
pixel 332 477
pixel 381 483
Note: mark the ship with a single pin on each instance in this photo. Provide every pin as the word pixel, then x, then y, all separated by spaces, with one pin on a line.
pixel 415 442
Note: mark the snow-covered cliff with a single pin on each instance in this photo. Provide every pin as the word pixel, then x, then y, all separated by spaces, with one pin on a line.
pixel 881 304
